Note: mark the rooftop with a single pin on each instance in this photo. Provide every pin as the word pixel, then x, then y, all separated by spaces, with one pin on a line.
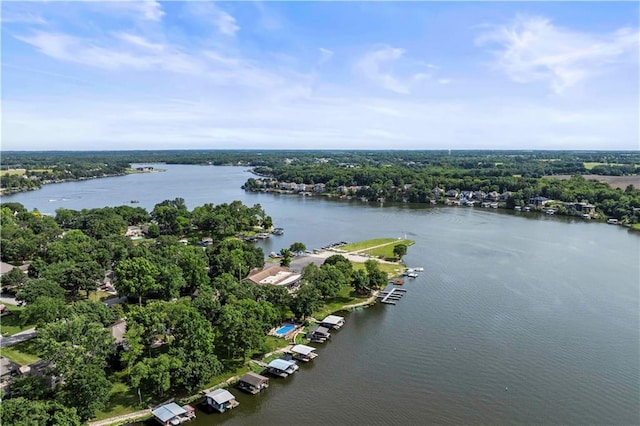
pixel 302 349
pixel 275 275
pixel 168 411
pixel 220 396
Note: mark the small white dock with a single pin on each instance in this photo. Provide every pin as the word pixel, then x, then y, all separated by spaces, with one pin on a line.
pixel 390 295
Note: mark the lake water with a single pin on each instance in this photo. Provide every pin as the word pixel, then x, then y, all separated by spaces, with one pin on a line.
pixel 517 318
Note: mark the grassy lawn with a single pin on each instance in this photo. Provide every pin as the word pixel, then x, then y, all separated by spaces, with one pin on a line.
pixel 387 251
pixel 23 353
pixel 636 226
pixel 122 399
pixel 591 165
pixel 392 270
pixel 346 296
pixel 98 295
pixel 10 323
pixel 12 172
pixel 362 245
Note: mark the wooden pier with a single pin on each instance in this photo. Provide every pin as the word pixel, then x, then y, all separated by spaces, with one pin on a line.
pixel 390 295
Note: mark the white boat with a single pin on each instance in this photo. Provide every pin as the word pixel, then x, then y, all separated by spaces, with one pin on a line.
pixel 419 269
pixel 412 275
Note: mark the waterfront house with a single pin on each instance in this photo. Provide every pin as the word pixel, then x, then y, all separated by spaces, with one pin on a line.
pixel 134 232
pixel 318 334
pixel 333 321
pixel 221 400
pixel 276 275
pixel 452 193
pixel 173 414
pixel 252 383
pixel 282 368
pixel 206 241
pixel 303 353
pixel 538 201
pixel 493 196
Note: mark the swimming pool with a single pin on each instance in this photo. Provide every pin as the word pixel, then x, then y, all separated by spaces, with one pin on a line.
pixel 284 329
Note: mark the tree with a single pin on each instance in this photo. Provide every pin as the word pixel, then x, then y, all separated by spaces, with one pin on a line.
pixel 14 278
pixel 136 277
pixel 306 301
pixel 32 387
pixel 237 332
pixel 342 263
pixel 155 374
pixel 360 282
pixel 40 287
pixel 207 302
pixel 399 250
pixel 377 277
pixel 44 310
pixel 286 257
pixel 74 342
pixel 23 412
pixel 297 247
pixel 86 389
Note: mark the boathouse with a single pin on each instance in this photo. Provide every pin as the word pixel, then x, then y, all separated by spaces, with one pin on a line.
pixel 253 383
pixel 333 321
pixel 173 414
pixel 282 368
pixel 303 353
pixel 221 400
pixel 318 334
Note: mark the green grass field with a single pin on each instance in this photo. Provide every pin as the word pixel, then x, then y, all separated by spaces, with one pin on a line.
pixel 386 252
pixel 363 245
pixel 12 172
pixel 10 323
pixel 22 353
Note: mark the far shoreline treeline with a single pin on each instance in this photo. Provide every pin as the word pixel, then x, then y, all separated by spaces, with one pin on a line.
pixel 399 176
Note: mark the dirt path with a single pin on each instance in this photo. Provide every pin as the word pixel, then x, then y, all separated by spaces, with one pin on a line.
pixel 124 417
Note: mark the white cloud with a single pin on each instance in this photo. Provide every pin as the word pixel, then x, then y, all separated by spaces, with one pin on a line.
pixel 149 10
pixel 534 49
pixel 377 67
pixel 325 55
pixel 91 53
pixel 139 41
pixel 223 22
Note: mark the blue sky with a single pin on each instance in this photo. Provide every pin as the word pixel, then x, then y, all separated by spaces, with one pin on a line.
pixel 320 75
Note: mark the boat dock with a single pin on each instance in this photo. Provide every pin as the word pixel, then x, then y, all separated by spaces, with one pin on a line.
pixel 390 295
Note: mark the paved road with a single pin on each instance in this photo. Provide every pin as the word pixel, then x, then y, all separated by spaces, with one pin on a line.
pixel 17 338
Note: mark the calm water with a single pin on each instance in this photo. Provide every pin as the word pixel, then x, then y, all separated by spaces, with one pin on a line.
pixel 546 307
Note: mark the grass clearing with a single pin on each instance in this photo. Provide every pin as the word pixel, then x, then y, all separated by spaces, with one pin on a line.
pixel 10 323
pixel 122 399
pixel 392 270
pixel 363 245
pixel 346 296
pixel 23 353
pixel 13 172
pixel 386 252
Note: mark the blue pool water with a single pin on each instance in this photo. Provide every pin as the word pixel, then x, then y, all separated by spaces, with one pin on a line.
pixel 285 329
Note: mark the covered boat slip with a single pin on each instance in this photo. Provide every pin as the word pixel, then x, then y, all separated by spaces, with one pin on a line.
pixel 252 383
pixel 282 368
pixel 318 334
pixel 173 414
pixel 303 352
pixel 221 400
pixel 333 321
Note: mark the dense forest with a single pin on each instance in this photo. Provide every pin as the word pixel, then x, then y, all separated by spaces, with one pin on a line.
pixel 188 315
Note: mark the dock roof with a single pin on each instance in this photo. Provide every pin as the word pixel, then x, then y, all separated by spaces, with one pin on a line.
pixel 220 396
pixel 333 319
pixel 254 379
pixel 281 364
pixel 168 411
pixel 302 349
